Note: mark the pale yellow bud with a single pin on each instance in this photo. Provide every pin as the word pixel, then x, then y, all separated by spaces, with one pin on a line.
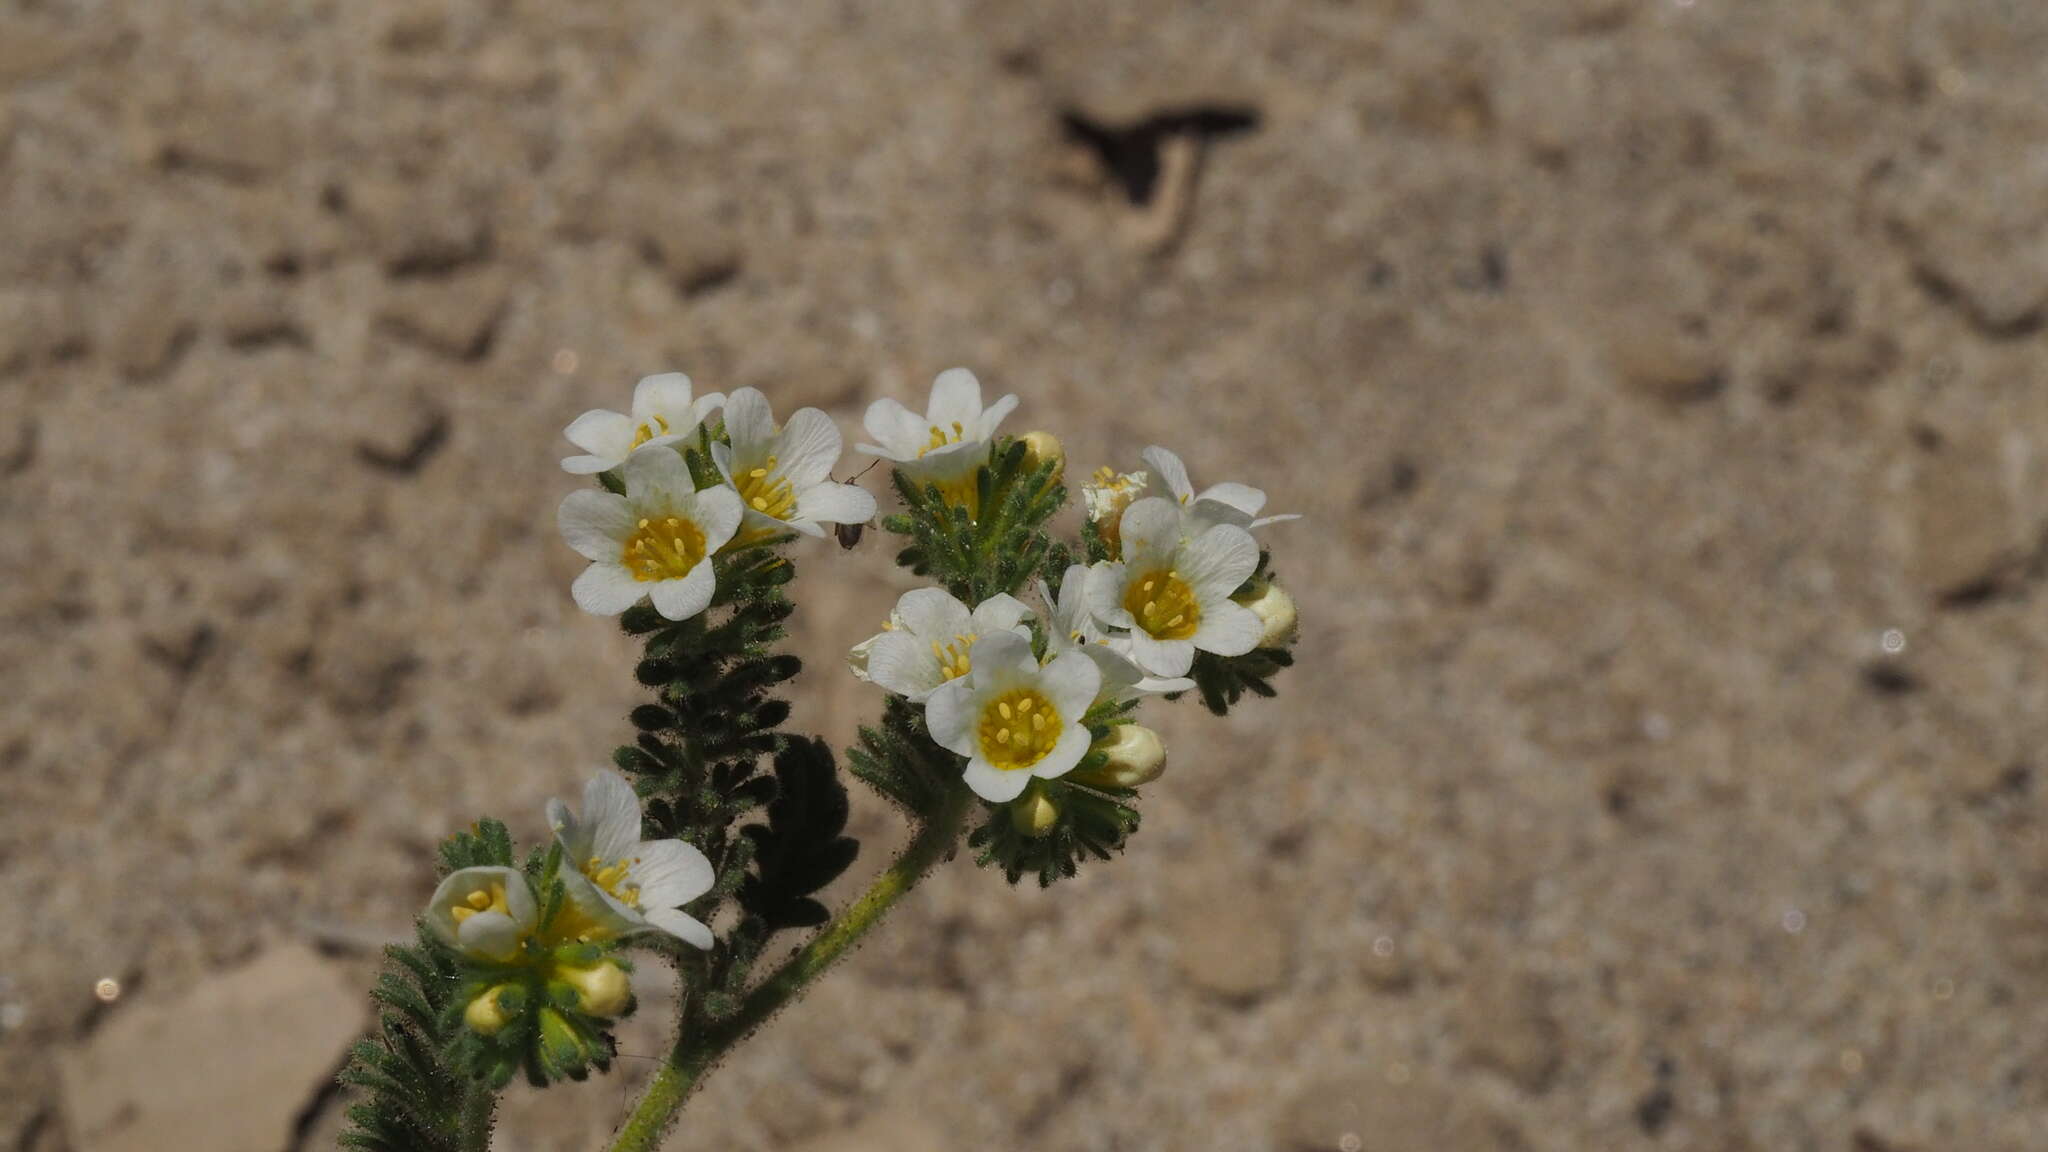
pixel 1275 609
pixel 485 1015
pixel 601 990
pixel 1136 756
pixel 1041 447
pixel 1034 814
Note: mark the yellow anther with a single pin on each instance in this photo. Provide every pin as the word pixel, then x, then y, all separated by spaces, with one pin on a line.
pixel 1006 710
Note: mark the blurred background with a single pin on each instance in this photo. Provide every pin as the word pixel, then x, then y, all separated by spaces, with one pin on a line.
pixel 1662 381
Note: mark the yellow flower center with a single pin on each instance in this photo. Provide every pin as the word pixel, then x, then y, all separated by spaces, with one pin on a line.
pixel 1164 605
pixel 953 662
pixel 664 549
pixel 481 900
pixel 942 437
pixel 765 492
pixel 613 879
pixel 1018 728
pixel 649 430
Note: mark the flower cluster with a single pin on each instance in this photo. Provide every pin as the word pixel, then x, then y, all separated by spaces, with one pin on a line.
pixel 1026 693
pixel 1012 681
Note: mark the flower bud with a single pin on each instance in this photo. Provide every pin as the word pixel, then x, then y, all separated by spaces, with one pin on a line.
pixel 1275 609
pixel 487 1015
pixel 601 990
pixel 1136 756
pixel 1043 447
pixel 1034 814
pixel 565 1051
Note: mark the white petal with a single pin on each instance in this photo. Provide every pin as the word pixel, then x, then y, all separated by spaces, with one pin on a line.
pixel 1217 562
pixel 666 395
pixel 490 934
pixel 1159 657
pixel 613 918
pixel 682 926
pixel 608 435
pixel 956 399
pixel 999 613
pixel 994 784
pixel 1228 629
pixel 1002 658
pixel 761 522
pixel 1157 686
pixel 1151 528
pixel 949 715
pixel 1242 497
pixel 933 614
pixel 1120 677
pixel 836 504
pixel 904 664
pixel 612 810
pixel 572 834
pixel 684 598
pixel 703 406
pixel 717 512
pixel 657 478
pixel 670 873
pixel 1171 471
pixel 1071 683
pixel 595 524
pixel 993 418
pixel 587 465
pixel 857 657
pixel 808 448
pixel 1105 594
pixel 606 590
pixel 1262 521
pixel 1073 744
pixel 897 431
pixel 749 423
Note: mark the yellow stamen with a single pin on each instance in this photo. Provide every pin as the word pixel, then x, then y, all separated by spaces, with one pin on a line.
pixel 767 493
pixel 481 900
pixel 1014 748
pixel 953 662
pixel 647 431
pixel 664 549
pixel 1164 605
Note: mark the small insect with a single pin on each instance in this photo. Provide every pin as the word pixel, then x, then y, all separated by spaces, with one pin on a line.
pixel 849 534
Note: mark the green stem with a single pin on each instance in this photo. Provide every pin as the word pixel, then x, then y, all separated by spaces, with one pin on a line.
pixel 479 1109
pixel 694 1054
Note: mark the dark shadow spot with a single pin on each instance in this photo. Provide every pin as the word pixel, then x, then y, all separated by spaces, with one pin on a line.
pixel 1654 1110
pixel 184 654
pixel 23 452
pixel 1130 153
pixel 269 334
pixel 1890 679
pixel 1946 292
pixel 413 455
pixel 709 277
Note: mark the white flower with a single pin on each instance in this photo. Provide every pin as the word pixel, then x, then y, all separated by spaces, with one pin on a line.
pixel 928 638
pixel 1237 504
pixel 655 540
pixel 1172 591
pixel 621 882
pixel 949 443
pixel 784 476
pixel 663 413
pixel 1013 719
pixel 484 912
pixel 1071 625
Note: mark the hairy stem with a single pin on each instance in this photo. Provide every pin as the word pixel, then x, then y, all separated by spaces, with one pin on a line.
pixel 479 1110
pixel 694 1054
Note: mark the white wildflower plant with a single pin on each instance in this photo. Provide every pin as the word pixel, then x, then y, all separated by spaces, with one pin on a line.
pixel 715 833
pixel 1013 718
pixel 947 445
pixel 1170 596
pixel 928 639
pixel 783 475
pixel 628 884
pixel 665 412
pixel 655 540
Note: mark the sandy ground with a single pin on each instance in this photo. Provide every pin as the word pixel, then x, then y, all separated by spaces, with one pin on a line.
pixel 1663 382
